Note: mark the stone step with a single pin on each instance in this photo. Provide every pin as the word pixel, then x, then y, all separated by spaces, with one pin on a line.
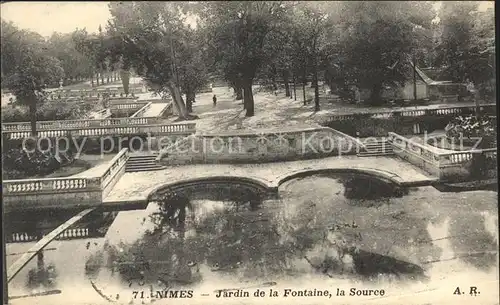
pixel 375 154
pixel 140 161
pixel 142 164
pixel 142 157
pixel 142 169
pixel 379 147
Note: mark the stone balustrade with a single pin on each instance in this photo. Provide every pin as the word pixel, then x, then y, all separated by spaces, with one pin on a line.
pixel 115 164
pixel 451 111
pixel 49 191
pixel 48 185
pixel 445 165
pixel 73 233
pixel 77 124
pixel 146 128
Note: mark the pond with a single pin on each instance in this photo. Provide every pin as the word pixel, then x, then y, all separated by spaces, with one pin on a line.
pixel 323 232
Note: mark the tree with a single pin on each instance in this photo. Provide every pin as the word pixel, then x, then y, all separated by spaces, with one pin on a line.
pixel 377 39
pixel 147 35
pixel 466 48
pixel 239 31
pixel 27 69
pixel 88 45
pixel 193 74
pixel 311 25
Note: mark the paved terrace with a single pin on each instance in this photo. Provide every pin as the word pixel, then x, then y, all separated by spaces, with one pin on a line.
pixel 134 188
pixel 154 110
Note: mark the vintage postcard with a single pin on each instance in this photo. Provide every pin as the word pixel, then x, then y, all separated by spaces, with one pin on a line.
pixel 249 152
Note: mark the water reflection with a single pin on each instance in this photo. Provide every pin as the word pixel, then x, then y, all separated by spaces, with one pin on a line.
pixel 321 226
pixel 245 237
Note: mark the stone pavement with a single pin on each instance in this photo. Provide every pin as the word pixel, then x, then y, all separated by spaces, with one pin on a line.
pixel 155 109
pixel 135 187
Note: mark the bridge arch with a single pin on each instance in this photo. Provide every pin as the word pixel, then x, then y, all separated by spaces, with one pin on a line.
pixel 382 175
pixel 259 186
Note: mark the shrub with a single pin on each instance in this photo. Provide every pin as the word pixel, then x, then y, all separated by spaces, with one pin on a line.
pixel 19 164
pixel 469 127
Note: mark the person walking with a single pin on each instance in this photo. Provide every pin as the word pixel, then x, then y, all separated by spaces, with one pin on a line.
pixel 215 100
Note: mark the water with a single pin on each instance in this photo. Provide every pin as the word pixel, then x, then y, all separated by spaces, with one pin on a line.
pixel 323 232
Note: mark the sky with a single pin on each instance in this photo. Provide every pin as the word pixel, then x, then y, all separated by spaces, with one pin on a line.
pixel 65 17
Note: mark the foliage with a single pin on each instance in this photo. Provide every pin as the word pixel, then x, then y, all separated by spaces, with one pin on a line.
pixel 20 164
pixel 466 47
pixel 469 127
pixel 46 111
pixel 74 64
pixel 146 36
pixel 236 34
pixel 27 69
pixel 377 39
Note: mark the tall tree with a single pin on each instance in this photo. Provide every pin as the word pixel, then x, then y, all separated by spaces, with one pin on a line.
pixel 27 68
pixel 238 32
pixel 148 34
pixel 193 74
pixel 466 48
pixel 378 38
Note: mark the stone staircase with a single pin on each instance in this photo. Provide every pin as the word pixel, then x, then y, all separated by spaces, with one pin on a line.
pixel 142 163
pixel 380 148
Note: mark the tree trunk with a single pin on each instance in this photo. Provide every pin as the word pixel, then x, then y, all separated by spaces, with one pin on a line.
pixel 248 98
pixel 125 76
pixel 32 111
pixel 478 107
pixel 375 96
pixel 102 78
pixel 190 96
pixel 107 78
pixel 97 79
pixel 294 88
pixel 287 85
pixel 92 79
pixel 273 78
pixel 239 92
pixel 304 82
pixel 316 88
pixel 177 98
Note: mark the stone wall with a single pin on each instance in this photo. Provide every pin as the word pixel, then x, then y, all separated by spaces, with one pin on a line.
pixel 70 199
pixel 260 147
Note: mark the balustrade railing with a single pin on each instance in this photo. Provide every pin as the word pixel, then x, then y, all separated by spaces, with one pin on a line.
pixel 65 185
pixel 459 110
pixel 116 163
pixel 139 126
pixel 49 185
pixel 61 126
pixel 438 158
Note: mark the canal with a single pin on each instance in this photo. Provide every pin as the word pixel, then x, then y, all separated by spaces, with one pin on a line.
pixel 323 232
